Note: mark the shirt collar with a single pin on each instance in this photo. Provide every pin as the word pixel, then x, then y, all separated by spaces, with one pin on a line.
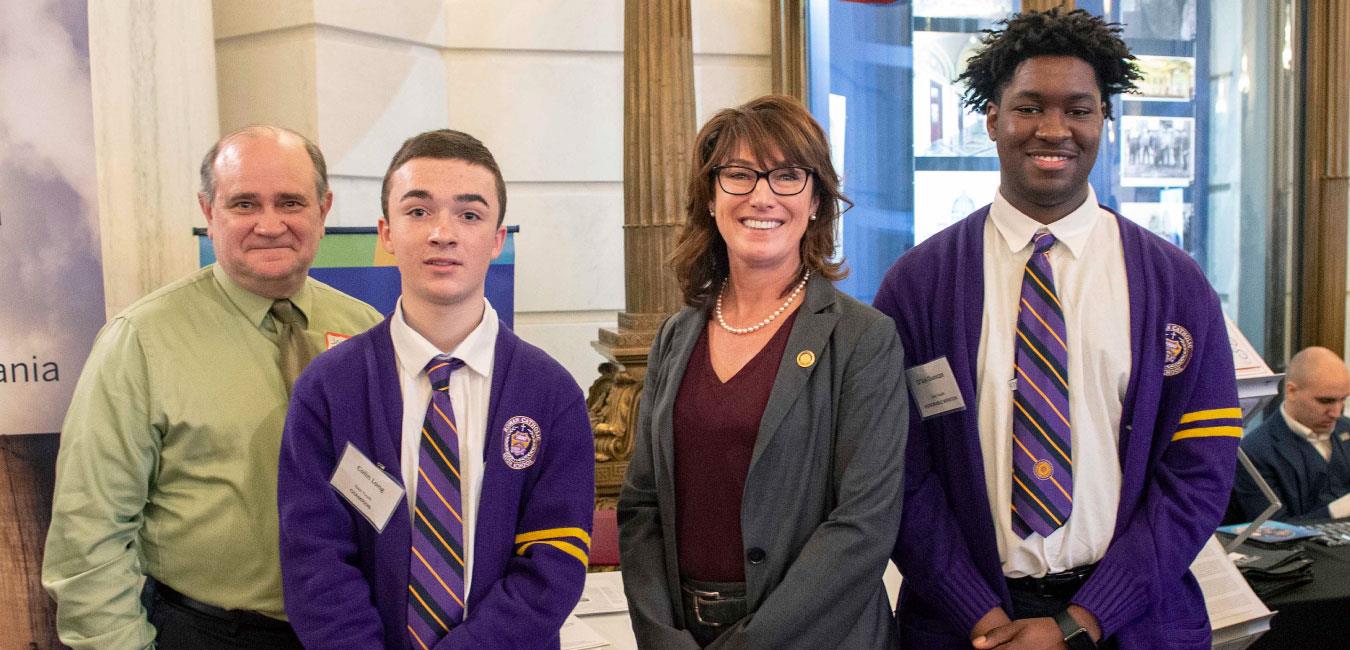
pixel 256 307
pixel 476 350
pixel 1072 230
pixel 1303 431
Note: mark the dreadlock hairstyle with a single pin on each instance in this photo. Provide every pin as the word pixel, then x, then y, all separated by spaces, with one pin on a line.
pixel 1075 33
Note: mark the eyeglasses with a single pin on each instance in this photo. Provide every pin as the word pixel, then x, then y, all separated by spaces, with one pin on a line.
pixel 783 181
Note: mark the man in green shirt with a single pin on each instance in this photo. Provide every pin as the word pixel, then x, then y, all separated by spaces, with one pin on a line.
pixel 168 461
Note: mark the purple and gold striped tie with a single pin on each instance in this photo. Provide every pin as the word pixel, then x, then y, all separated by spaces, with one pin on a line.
pixel 1042 489
pixel 436 567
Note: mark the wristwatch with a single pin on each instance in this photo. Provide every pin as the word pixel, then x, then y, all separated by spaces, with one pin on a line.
pixel 1075 636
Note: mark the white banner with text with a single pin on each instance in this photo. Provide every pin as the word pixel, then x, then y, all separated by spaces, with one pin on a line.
pixel 51 273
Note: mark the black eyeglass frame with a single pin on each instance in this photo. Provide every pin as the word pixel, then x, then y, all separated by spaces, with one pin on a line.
pixel 717 174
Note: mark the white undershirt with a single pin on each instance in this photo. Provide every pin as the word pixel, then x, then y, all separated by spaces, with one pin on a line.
pixel 470 392
pixel 1088 263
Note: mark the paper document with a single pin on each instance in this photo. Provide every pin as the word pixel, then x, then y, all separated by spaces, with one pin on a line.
pixel 1236 615
pixel 1246 361
pixel 576 635
pixel 603 595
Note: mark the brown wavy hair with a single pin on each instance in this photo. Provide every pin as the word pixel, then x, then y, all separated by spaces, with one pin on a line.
pixel 770 126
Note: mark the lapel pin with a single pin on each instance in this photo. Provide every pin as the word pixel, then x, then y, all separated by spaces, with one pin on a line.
pixel 805 358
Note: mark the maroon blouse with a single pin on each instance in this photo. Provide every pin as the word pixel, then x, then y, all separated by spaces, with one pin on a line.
pixel 716 425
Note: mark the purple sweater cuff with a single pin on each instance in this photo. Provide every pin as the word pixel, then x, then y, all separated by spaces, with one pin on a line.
pixel 1114 595
pixel 967 595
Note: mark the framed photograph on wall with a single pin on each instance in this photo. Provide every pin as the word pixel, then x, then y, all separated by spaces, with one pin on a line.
pixel 1167 219
pixel 1166 79
pixel 942 126
pixel 1172 20
pixel 1157 151
pixel 941 198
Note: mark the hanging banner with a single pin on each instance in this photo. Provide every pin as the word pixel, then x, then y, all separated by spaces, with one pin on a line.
pixel 51 272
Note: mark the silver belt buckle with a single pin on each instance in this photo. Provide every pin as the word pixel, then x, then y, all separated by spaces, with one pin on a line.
pixel 699 598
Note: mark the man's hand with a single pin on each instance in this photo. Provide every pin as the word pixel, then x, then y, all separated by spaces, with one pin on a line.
pixel 1023 634
pixel 1088 621
pixel 1029 633
pixel 992 619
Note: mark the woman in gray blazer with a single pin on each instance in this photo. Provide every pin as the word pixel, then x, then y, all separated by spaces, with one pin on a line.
pixel 763 496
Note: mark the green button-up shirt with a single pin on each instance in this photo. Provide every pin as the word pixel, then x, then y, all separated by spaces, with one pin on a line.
pixel 168 461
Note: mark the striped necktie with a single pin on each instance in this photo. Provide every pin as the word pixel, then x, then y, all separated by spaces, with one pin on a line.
pixel 1042 467
pixel 436 565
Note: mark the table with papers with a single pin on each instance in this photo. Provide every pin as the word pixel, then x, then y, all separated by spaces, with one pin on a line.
pixel 600 619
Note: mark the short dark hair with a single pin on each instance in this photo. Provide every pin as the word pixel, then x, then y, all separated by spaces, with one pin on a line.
pixel 1031 34
pixel 446 144
pixel 768 126
pixel 208 170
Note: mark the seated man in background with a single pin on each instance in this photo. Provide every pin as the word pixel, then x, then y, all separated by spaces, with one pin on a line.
pixel 168 458
pixel 1304 450
pixel 437 473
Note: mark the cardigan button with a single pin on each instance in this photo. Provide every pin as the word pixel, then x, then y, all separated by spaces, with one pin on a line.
pixel 755 555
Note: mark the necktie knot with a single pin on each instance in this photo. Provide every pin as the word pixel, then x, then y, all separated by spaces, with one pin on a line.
pixel 439 369
pixel 284 312
pixel 1042 241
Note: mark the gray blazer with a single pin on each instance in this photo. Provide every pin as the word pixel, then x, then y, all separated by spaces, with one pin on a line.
pixel 821 506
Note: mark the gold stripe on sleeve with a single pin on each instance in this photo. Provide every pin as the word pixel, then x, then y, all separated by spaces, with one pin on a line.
pixel 1208 432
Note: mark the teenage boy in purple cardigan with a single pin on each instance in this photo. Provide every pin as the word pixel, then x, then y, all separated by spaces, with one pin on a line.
pixel 437 472
pixel 1078 421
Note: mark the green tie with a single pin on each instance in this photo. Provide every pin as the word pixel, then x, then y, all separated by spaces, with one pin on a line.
pixel 296 352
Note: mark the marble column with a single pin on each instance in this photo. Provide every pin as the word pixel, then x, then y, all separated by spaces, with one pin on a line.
pixel 658 134
pixel 153 72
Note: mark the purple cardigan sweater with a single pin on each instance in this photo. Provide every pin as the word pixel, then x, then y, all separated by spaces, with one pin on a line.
pixel 1179 433
pixel 346 584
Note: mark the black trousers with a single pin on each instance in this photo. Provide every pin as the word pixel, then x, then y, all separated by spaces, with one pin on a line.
pixel 1036 604
pixel 179 627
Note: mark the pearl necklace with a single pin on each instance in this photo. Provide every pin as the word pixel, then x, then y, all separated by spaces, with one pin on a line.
pixel 760 325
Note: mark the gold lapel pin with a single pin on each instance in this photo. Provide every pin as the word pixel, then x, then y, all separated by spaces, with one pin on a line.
pixel 805 358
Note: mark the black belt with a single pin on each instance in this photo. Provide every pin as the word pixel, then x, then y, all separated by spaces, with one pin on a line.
pixel 1053 584
pixel 713 608
pixel 236 616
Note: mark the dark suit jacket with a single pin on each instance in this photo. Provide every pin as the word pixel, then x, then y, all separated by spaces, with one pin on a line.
pixel 1304 482
pixel 822 498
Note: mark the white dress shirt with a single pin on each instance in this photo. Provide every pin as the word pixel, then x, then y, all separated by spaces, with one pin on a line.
pixel 1088 263
pixel 470 392
pixel 1322 442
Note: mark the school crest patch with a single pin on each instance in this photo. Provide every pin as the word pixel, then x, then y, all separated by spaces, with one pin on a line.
pixel 521 444
pixel 1179 347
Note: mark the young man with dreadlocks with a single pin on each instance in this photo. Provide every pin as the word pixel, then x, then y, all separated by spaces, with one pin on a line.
pixel 1078 420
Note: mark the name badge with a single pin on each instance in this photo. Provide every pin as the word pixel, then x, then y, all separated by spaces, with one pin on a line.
pixel 934 388
pixel 372 491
